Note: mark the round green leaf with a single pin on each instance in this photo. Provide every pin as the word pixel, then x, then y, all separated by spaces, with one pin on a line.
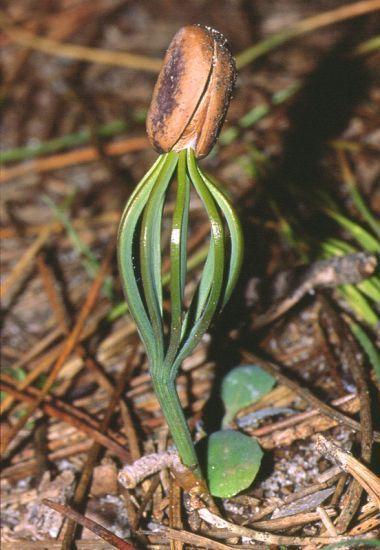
pixel 233 460
pixel 242 386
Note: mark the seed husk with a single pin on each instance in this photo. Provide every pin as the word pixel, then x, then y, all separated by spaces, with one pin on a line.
pixel 192 93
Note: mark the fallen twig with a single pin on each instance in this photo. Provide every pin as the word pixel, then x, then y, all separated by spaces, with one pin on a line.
pixel 65 416
pixel 25 263
pixel 81 156
pixel 259 536
pixel 367 479
pixel 75 51
pixel 67 349
pixel 304 393
pixel 350 356
pixel 92 456
pixel 336 271
pixel 188 538
pixel 88 523
pixel 133 474
pixel 140 62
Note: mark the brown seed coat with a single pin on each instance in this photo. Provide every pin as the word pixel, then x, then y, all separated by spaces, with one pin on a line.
pixel 192 92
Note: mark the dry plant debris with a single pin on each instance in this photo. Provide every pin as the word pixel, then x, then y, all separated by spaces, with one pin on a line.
pixel 77 405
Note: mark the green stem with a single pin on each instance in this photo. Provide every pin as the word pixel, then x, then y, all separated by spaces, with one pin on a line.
pixel 172 409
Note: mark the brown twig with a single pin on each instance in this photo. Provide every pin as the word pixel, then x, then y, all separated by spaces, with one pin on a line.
pixel 92 457
pixel 60 315
pixel 25 263
pixel 82 53
pixel 186 537
pixel 175 520
pixel 330 273
pixel 29 467
pixel 108 218
pixel 348 403
pixel 281 524
pixel 68 347
pixel 299 495
pixel 88 523
pixel 259 536
pixel 71 418
pixel 365 526
pixel 48 359
pixel 78 156
pixel 301 430
pixel 350 353
pixel 304 393
pixel 133 474
pixel 58 27
pixel 367 479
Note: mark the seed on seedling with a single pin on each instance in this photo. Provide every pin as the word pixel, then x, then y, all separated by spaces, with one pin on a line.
pixel 192 93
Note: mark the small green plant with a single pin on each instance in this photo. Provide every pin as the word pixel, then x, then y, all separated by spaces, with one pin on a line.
pixel 233 458
pixel 188 108
pixel 243 386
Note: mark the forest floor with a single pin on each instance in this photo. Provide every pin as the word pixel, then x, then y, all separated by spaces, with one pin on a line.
pixel 299 157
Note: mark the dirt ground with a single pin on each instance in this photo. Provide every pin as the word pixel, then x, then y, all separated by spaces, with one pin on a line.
pixel 301 138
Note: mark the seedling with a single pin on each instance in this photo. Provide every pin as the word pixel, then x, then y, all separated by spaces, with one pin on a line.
pixel 189 104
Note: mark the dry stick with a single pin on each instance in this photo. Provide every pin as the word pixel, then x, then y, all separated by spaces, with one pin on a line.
pixel 350 354
pixel 60 315
pixel 58 26
pixel 134 449
pixel 130 431
pixel 57 407
pixel 268 538
pixel 48 280
pixel 79 424
pixel 367 479
pixel 304 26
pixel 133 474
pixel 24 264
pixel 41 449
pixel 281 524
pixel 352 268
pixel 68 347
pixel 329 526
pixel 81 156
pixel 29 467
pixel 39 347
pixel 88 523
pixel 311 489
pixel 175 520
pixel 92 457
pixel 339 489
pixel 109 217
pixel 365 526
pixel 85 544
pixel 82 53
pixel 51 356
pixel 46 361
pixel 147 497
pixel 139 62
pixel 304 393
pixel 347 401
pixel 187 537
